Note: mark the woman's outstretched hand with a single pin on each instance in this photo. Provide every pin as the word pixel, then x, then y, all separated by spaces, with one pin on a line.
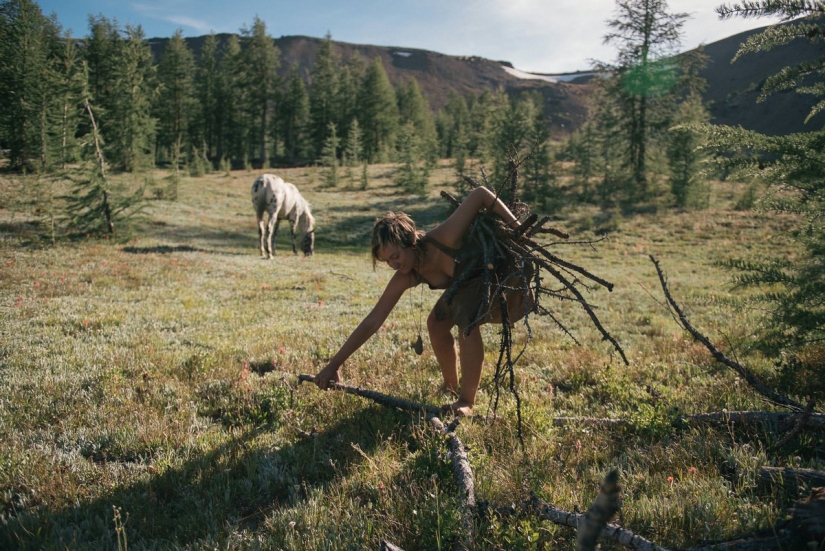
pixel 327 375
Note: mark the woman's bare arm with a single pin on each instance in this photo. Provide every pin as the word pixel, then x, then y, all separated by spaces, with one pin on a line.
pixel 367 328
pixel 451 232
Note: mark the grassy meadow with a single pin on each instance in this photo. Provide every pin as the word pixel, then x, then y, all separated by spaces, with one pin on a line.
pixel 149 395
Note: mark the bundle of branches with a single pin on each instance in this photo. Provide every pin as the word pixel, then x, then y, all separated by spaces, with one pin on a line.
pixel 498 261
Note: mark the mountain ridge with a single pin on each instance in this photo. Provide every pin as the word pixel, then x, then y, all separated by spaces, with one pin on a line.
pixel 731 94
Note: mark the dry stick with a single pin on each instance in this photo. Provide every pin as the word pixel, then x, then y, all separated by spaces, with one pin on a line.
pixel 603 508
pixel 798 426
pixel 539 228
pixel 556 260
pixel 591 421
pixel 378 397
pixel 463 474
pixel 574 520
pixel 605 335
pixel 107 209
pixel 757 385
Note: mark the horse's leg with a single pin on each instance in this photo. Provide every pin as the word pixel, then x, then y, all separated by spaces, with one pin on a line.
pixel 271 228
pixel 292 228
pixel 273 234
pixel 261 234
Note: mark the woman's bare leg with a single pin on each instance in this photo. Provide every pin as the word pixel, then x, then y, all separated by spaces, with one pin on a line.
pixel 441 338
pixel 471 351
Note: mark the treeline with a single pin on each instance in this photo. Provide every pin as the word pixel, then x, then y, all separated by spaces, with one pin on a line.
pixel 229 108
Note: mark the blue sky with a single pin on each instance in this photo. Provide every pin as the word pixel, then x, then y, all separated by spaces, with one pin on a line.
pixel 534 35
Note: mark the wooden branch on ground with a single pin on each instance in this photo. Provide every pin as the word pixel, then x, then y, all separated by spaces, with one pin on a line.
pixel 816 421
pixel 590 421
pixel 574 520
pixel 463 474
pixel 603 508
pixel 383 399
pixel 791 479
pixel 805 529
pixel 755 383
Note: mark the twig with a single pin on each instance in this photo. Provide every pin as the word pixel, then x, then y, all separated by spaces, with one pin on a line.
pixel 757 385
pixel 801 421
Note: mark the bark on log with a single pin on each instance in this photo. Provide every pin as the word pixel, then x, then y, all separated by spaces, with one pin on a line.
pixel 791 479
pixel 463 474
pixel 573 520
pixel 804 530
pixel 603 508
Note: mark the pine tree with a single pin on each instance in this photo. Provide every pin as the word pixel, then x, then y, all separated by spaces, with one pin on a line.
pixel 581 148
pixel 350 77
pixel 261 59
pixel 537 173
pixel 329 157
pixel 647 38
pixel 793 166
pixel 93 206
pixel 452 121
pixel 293 119
pixel 207 89
pixel 28 42
pixel 684 155
pixel 176 99
pixel 414 108
pixel 323 92
pixel 352 149
pixel 71 83
pixel 378 113
pixel 413 173
pixel 232 123
pixel 129 128
pixel 101 54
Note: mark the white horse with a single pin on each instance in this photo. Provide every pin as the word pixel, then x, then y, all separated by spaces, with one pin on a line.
pixel 282 201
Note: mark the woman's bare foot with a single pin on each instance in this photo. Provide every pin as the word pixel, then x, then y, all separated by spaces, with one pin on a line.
pixel 460 408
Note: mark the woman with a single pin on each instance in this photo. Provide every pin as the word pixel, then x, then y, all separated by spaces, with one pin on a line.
pixel 419 257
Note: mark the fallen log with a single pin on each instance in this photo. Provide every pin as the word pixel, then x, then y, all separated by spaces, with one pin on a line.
pixel 791 479
pixel 603 508
pixel 805 529
pixel 463 474
pixel 383 399
pixel 574 520
pixel 815 421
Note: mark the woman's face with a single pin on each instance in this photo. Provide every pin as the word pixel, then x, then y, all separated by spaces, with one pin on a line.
pixel 398 258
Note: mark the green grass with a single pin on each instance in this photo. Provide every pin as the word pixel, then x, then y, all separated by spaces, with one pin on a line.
pixel 148 394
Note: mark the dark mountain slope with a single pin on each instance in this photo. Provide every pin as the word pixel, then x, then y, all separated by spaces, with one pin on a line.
pixel 733 87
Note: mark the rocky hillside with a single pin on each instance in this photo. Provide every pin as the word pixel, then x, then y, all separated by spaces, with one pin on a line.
pixel 731 92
